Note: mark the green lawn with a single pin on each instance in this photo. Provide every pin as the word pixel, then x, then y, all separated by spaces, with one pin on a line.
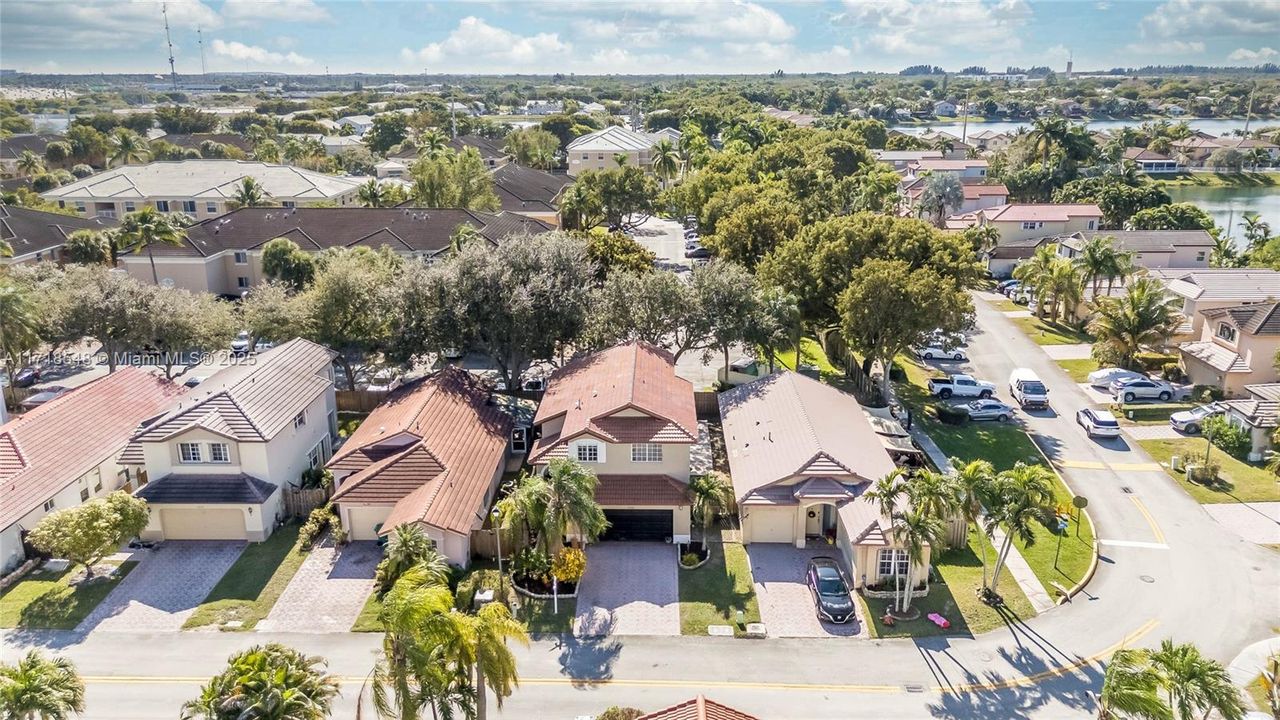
pixel 1239 481
pixel 540 616
pixel 955 598
pixel 1076 554
pixel 1078 370
pixel 253 584
pixel 714 593
pixel 811 353
pixel 1044 332
pixel 1148 413
pixel 44 599
pixel 1006 305
pixel 367 620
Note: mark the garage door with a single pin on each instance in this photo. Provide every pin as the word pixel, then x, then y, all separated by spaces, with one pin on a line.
pixel 772 525
pixel 207 524
pixel 638 525
pixel 363 521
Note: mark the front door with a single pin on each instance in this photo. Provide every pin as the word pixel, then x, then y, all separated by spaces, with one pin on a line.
pixel 813 521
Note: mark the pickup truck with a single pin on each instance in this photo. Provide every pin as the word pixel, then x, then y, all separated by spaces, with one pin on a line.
pixel 961 386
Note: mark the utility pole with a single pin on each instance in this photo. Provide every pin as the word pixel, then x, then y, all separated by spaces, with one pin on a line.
pixel 1248 111
pixel 200 38
pixel 173 71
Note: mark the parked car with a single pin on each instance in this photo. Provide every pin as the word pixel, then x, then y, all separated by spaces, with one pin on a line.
pixel 1028 389
pixel 930 352
pixel 1105 376
pixel 1192 421
pixel 961 386
pixel 1023 297
pixel 240 345
pixel 830 591
pixel 989 409
pixel 26 377
pixel 691 244
pixel 1000 286
pixel 698 252
pixel 1011 287
pixel 1142 388
pixel 1098 423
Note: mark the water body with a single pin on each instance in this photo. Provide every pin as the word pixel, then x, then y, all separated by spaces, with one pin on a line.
pixel 1213 126
pixel 1227 205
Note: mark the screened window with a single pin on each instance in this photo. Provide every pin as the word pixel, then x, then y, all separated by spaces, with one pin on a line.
pixel 646 452
pixel 189 452
pixel 242 257
pixel 162 205
pixel 892 562
pixel 84 494
pixel 211 207
pixel 300 419
pixel 188 206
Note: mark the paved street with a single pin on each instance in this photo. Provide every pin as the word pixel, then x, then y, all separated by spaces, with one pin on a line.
pixel 1256 522
pixel 786 604
pixel 328 592
pixel 630 588
pixel 1082 351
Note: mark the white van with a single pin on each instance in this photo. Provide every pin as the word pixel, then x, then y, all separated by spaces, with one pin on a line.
pixel 1028 389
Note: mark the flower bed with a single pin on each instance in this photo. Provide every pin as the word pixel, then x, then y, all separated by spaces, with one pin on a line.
pixel 697 552
pixel 542 590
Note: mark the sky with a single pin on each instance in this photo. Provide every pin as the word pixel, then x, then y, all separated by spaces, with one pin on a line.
pixel 628 37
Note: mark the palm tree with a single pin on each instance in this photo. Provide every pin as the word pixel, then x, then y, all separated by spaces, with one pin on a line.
pixel 972 486
pixel 267 681
pixel 1064 286
pixel 487 652
pixel 249 194
pixel 580 208
pixel 1256 230
pixel 1047 134
pixel 147 227
pixel 461 236
pixel 1034 273
pixel 410 547
pixel 127 147
pixel 1271 683
pixel 268 151
pixel 1144 316
pixel 666 160
pixel 1195 685
pixel 553 503
pixel 30 163
pixel 1020 499
pixel 20 325
pixel 914 531
pixel 1099 260
pixel 40 688
pixel 294 150
pixel 944 144
pixel 941 192
pixel 711 495
pixel 371 194
pixel 620 159
pixel 432 143
pixel 1130 688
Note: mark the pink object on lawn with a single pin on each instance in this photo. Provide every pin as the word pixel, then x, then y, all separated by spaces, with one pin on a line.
pixel 940 621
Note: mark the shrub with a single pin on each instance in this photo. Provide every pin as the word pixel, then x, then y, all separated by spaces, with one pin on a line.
pixel 1105 354
pixel 81 170
pixel 690 559
pixel 1206 393
pixel 1202 472
pixel 1233 440
pixel 44 182
pixel 620 713
pixel 316 477
pixel 475 581
pixel 315 525
pixel 951 414
pixel 532 562
pixel 897 373
pixel 1151 362
pixel 1173 372
pixel 569 565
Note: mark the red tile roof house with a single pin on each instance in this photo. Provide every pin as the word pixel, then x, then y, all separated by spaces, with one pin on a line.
pixel 217 460
pixel 64 452
pixel 431 454
pixel 624 414
pixel 698 708
pixel 802 456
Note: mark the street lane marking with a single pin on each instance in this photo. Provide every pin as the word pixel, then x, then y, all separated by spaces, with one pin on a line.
pixel 1155 529
pixel 1083 464
pixel 1138 467
pixel 1134 544
pixel 1118 467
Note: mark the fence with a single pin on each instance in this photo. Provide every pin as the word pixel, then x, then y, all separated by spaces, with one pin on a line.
pixel 864 387
pixel 362 401
pixel 299 502
pixel 484 543
pixel 707 405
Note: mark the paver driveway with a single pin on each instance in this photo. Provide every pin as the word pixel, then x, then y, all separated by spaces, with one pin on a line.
pixel 169 582
pixel 630 588
pixel 328 591
pixel 786 605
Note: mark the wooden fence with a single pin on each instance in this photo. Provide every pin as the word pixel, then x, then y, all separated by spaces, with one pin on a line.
pixel 362 401
pixel 865 388
pixel 299 502
pixel 484 543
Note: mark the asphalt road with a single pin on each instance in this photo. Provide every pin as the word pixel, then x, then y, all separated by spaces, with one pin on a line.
pixel 1174 573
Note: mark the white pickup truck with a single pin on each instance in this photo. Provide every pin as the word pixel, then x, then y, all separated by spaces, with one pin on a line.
pixel 961 386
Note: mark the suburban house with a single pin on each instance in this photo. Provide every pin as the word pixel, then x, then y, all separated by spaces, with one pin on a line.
pixel 224 255
pixel 1237 347
pixel 899 159
pixel 1149 248
pixel 978 195
pixel 698 708
pixel 975 168
pixel 795 117
pixel 1022 221
pixel 1195 149
pixel 1200 289
pixel 592 108
pixel 596 150
pixel 491 151
pixel 431 454
pixel 990 140
pixel 64 452
pixel 217 462
pixel 1258 412
pixel 542 107
pixel 942 108
pixel 199 188
pixel 1151 162
pixel 958 150
pixel 392 168
pixel 334 144
pixel 802 456
pixel 12 147
pixel 624 414
pixel 361 124
pixel 526 191
pixel 37 236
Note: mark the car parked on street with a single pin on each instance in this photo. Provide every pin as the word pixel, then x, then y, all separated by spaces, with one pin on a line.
pixel 929 352
pixel 1191 421
pixel 1098 423
pixel 989 409
pixel 1143 388
pixel 961 386
pixel 240 345
pixel 830 591
pixel 1105 376
pixel 1028 389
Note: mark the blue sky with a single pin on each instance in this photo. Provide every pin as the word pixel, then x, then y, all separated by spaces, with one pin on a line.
pixel 622 36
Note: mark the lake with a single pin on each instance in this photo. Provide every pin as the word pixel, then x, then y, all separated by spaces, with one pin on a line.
pixel 1227 205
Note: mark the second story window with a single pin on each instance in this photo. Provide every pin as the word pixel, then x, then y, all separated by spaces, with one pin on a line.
pixel 646 453
pixel 1227 332
pixel 211 207
pixel 587 452
pixel 1093 224
pixel 300 419
pixel 189 206
pixel 189 452
pixel 242 257
pixel 219 453
pixel 129 206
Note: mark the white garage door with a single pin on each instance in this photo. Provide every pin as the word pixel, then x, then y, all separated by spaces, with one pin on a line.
pixel 362 521
pixel 773 525
pixel 205 524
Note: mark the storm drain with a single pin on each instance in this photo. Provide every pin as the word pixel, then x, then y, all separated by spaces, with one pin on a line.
pixel 1146 579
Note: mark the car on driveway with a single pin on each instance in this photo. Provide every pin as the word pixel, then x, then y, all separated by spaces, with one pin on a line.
pixel 1106 376
pixel 26 377
pixel 989 410
pixel 1143 388
pixel 830 591
pixel 929 352
pixel 1192 421
pixel 1098 423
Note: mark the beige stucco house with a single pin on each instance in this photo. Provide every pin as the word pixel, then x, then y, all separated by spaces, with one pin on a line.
pixel 802 456
pixel 978 194
pixel 1237 347
pixel 432 455
pixel 1025 221
pixel 596 150
pixel 624 414
pixel 1258 412
pixel 1149 248
pixel 217 461
pixel 1199 289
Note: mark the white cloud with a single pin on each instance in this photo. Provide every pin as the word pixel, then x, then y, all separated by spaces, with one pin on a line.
pixel 907 26
pixel 596 29
pixel 249 12
pixel 1166 48
pixel 475 44
pixel 1201 18
pixel 240 52
pixel 127 24
pixel 1260 55
pixel 654 20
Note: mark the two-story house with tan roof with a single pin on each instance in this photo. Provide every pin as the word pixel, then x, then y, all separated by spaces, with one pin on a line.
pixel 64 452
pixel 432 454
pixel 1237 347
pixel 802 456
pixel 624 414
pixel 1032 220
pixel 217 461
pixel 1200 289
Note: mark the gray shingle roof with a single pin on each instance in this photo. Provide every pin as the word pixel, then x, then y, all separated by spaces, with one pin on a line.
pixel 1216 356
pixel 1144 241
pixel 523 189
pixel 1257 319
pixel 30 231
pixel 207 489
pixel 1244 284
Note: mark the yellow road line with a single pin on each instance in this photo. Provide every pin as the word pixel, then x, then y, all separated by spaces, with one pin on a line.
pixel 1155 529
pixel 1138 467
pixel 1083 464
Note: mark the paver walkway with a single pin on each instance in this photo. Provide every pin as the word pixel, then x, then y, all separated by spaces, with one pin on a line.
pixel 786 605
pixel 329 590
pixel 1163 431
pixel 1256 522
pixel 630 588
pixel 1081 351
pixel 162 592
pixel 700 458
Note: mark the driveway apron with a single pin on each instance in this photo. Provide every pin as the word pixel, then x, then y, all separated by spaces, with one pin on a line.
pixel 630 588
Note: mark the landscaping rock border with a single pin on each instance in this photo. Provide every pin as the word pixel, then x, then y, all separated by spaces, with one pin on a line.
pixel 537 596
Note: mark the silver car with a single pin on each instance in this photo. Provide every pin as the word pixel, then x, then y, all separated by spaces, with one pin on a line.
pixel 1142 389
pixel 1191 421
pixel 989 410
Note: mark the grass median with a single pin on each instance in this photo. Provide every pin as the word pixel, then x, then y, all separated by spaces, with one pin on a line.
pixel 248 591
pixel 1078 370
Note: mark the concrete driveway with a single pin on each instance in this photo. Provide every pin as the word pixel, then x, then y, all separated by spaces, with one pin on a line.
pixel 630 588
pixel 169 582
pixel 328 591
pixel 786 605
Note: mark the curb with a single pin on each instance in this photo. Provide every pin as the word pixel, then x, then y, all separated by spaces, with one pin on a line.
pixel 1093 563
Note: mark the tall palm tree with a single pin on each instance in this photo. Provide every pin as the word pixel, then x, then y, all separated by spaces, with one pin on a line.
pixel 972 486
pixel 1020 500
pixel 432 143
pixel 1144 316
pixel 268 151
pixel 942 192
pixel 461 236
pixel 711 495
pixel 944 144
pixel 294 150
pixel 1131 688
pixel 371 194
pixel 1047 134
pixel 1064 286
pixel 488 653
pixel 1256 230
pixel 620 159
pixel 249 194
pixel 267 681
pixel 1195 685
pixel 30 163
pixel 146 228
pixel 20 325
pixel 580 208
pixel 127 147
pixel 40 688
pixel 666 160
pixel 1099 260
pixel 1034 273
pixel 553 503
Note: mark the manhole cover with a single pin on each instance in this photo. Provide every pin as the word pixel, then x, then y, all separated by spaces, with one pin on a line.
pixel 1126 489
pixel 1146 578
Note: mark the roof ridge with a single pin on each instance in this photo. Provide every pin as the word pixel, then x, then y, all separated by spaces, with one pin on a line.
pixel 804 413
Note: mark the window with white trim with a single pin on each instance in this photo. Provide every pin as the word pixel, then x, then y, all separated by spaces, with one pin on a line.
pixel 242 257
pixel 242 282
pixel 189 452
pixel 300 419
pixel 189 206
pixel 219 453
pixel 84 495
pixel 646 453
pixel 211 207
pixel 1093 224
pixel 49 505
pixel 1032 225
pixel 80 207
pixel 588 452
pixel 316 456
pixel 129 206
pixel 891 562
pixel 1227 332
pixel 162 205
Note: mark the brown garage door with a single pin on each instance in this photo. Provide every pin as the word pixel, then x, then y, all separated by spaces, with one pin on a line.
pixel 205 524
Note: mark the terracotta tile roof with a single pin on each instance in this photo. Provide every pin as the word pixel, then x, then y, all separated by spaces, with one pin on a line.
pixel 46 449
pixel 698 708
pixel 431 449
pixel 252 402
pixel 635 376
pixel 1042 212
pixel 184 489
pixel 662 490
